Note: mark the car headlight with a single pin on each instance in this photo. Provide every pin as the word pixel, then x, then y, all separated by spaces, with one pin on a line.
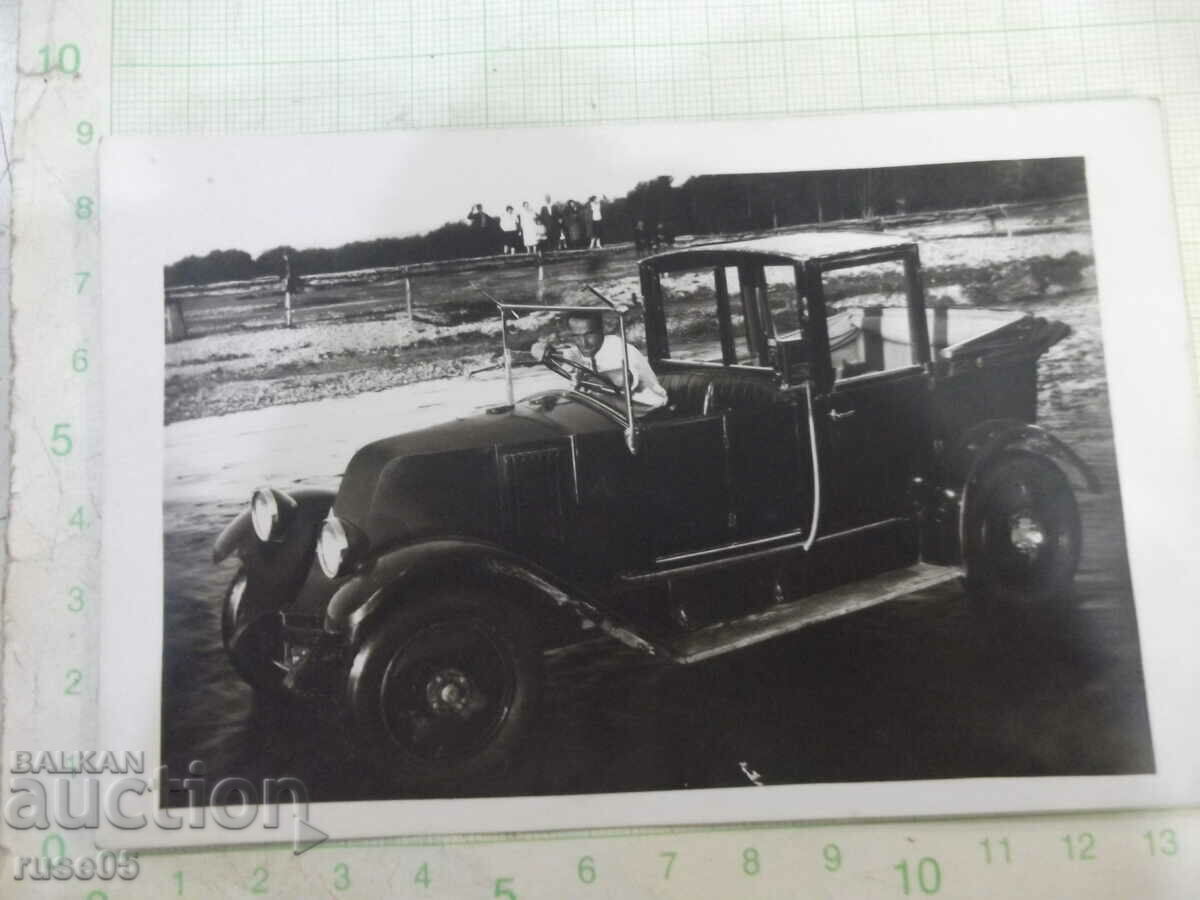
pixel 339 545
pixel 269 513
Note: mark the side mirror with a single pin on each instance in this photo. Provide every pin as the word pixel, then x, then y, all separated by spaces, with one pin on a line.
pixel 791 361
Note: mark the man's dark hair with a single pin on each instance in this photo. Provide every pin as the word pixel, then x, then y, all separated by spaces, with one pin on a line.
pixel 593 316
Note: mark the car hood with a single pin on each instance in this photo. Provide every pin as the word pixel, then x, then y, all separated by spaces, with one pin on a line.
pixel 463 443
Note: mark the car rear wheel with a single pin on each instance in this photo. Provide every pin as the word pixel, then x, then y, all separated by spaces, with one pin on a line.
pixel 446 689
pixel 253 645
pixel 1023 535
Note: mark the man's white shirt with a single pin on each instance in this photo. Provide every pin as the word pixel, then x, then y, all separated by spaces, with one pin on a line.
pixel 645 389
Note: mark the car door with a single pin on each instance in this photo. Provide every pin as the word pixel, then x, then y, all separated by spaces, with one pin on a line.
pixel 769 449
pixel 871 414
pixel 685 484
pixel 770 464
pixel 874 427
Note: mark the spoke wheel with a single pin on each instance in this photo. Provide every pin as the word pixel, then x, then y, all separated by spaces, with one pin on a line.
pixel 447 691
pixel 1023 533
pixel 446 688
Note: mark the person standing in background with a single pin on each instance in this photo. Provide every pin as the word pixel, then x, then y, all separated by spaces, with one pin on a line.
pixel 574 223
pixel 560 224
pixel 542 231
pixel 529 228
pixel 585 216
pixel 479 222
pixel 597 219
pixel 510 230
pixel 641 236
pixel 549 224
pixel 663 237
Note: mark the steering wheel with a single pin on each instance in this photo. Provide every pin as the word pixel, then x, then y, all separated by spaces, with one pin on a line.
pixel 566 367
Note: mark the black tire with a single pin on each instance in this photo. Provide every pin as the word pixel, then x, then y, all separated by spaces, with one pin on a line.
pixel 256 648
pixel 445 690
pixel 1023 535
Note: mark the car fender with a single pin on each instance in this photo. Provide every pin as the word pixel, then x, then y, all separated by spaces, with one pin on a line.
pixel 233 536
pixel 312 505
pixel 276 570
pixel 367 596
pixel 982 444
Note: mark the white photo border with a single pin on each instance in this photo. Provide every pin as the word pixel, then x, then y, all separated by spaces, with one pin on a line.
pixel 1152 388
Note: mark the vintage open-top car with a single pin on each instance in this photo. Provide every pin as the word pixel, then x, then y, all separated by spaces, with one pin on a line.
pixel 828 443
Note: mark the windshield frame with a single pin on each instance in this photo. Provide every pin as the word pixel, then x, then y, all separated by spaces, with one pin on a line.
pixel 625 418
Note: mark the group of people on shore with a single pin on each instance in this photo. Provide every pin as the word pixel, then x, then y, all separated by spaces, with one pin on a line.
pixel 552 226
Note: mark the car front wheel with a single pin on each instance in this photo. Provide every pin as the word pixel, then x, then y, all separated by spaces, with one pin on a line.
pixel 1022 537
pixel 445 690
pixel 252 644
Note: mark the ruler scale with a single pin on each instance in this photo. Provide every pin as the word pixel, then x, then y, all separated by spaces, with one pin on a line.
pixel 52 605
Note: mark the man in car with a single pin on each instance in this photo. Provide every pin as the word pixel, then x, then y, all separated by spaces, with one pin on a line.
pixel 603 354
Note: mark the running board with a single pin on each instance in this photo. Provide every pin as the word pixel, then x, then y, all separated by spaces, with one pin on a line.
pixel 785 618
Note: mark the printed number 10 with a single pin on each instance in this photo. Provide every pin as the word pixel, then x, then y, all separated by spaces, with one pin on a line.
pixel 929 875
pixel 67 59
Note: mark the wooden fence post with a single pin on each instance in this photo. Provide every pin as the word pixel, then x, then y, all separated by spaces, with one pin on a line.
pixel 287 308
pixel 541 283
pixel 408 298
pixel 176 325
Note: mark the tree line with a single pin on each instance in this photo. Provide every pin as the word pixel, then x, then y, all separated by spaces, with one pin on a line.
pixel 703 204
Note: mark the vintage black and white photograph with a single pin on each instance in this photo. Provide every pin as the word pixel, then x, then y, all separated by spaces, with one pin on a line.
pixel 567 472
